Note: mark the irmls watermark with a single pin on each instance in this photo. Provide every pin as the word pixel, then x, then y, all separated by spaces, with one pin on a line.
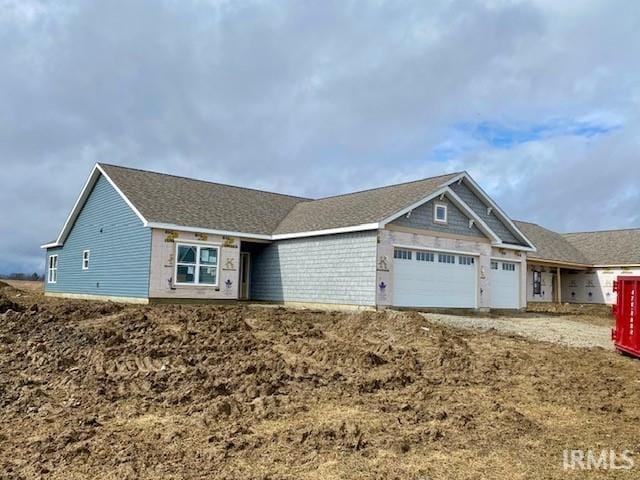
pixel 606 459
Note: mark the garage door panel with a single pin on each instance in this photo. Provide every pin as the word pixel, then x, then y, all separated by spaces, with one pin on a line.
pixel 434 284
pixel 505 284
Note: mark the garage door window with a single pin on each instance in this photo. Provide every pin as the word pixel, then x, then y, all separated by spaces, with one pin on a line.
pixel 402 254
pixel 509 267
pixel 494 265
pixel 425 256
pixel 466 260
pixel 443 258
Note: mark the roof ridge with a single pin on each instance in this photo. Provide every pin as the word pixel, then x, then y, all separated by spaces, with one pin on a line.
pixel 306 199
pixel 388 186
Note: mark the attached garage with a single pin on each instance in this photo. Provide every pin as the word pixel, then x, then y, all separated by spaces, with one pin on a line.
pixel 504 282
pixel 423 278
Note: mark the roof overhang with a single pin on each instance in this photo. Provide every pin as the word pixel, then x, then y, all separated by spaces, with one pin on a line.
pixel 558 263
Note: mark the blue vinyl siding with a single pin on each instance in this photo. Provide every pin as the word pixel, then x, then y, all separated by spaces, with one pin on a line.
pixel 329 269
pixel 120 249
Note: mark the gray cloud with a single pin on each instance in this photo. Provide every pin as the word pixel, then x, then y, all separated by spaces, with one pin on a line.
pixel 317 98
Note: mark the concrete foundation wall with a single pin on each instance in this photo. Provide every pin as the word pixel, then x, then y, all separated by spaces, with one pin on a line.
pixel 162 271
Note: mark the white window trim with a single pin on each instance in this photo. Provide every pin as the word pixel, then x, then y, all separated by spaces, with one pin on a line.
pixel 437 205
pixel 85 260
pixel 52 272
pixel 197 265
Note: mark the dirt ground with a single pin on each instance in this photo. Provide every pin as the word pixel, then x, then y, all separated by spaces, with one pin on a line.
pixel 98 390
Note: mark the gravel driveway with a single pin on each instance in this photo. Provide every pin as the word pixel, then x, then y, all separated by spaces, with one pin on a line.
pixel 555 329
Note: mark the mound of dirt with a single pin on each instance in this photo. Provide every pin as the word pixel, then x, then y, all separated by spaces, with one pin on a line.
pixel 100 390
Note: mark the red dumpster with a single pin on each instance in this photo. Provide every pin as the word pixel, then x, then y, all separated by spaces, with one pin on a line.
pixel 626 334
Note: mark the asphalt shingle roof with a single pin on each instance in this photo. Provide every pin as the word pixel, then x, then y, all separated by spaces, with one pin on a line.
pixel 188 202
pixel 358 208
pixel 194 203
pixel 551 246
pixel 611 247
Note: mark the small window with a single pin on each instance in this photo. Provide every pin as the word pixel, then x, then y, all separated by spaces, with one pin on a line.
pixel 52 274
pixel 537 283
pixel 425 256
pixel 402 254
pixel 509 267
pixel 466 260
pixel 440 212
pixel 196 265
pixel 444 258
pixel 85 259
pixel 494 265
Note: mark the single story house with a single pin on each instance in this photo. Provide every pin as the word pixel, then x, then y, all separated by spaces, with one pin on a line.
pixel 440 242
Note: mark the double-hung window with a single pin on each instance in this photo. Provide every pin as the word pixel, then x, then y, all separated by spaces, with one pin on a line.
pixel 52 274
pixel 196 265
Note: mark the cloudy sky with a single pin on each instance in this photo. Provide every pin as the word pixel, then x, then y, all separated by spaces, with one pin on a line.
pixel 538 100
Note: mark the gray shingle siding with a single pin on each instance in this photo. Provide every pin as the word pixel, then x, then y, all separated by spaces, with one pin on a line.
pixel 480 209
pixel 120 249
pixel 422 218
pixel 339 269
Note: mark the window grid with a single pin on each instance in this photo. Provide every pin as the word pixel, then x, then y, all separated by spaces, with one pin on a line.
pixel 197 265
pixel 509 267
pixel 402 254
pixel 85 259
pixel 425 256
pixel 466 260
pixel 494 265
pixel 444 258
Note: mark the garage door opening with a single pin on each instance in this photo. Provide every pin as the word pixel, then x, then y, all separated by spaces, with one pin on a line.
pixel 424 278
pixel 504 284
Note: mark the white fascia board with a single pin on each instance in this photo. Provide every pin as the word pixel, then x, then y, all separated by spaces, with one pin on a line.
pixel 502 259
pixel 171 226
pixel 82 198
pixel 124 197
pixel 509 246
pixel 331 231
pixel 479 191
pixel 50 245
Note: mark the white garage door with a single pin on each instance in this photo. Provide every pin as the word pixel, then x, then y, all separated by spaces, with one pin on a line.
pixel 505 284
pixel 434 279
